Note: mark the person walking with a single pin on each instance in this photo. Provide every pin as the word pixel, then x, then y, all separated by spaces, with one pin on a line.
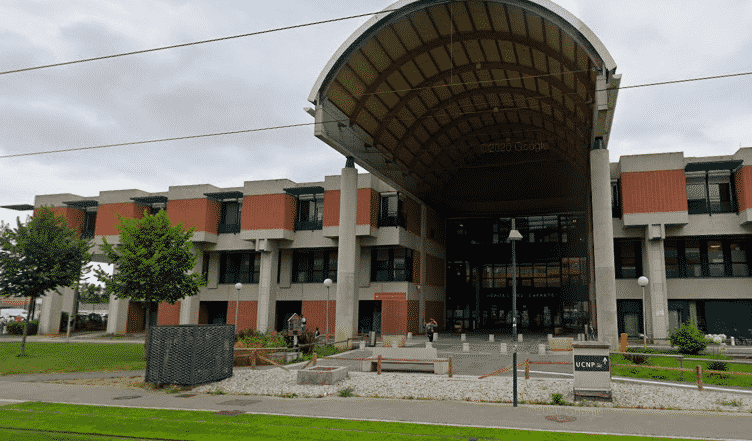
pixel 430 327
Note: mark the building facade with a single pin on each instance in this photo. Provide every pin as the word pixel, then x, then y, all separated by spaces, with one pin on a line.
pixel 685 223
pixel 468 116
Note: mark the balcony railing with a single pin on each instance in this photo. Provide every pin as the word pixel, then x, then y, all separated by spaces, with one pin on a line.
pixel 393 219
pixel 87 234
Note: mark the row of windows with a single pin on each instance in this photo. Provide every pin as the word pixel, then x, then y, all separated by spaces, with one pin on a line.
pixel 567 271
pixel 707 192
pixel 563 229
pixel 687 257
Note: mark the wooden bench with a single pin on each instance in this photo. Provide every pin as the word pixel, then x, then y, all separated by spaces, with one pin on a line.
pixel 395 356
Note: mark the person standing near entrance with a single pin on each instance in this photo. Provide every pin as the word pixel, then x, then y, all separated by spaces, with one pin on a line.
pixel 430 327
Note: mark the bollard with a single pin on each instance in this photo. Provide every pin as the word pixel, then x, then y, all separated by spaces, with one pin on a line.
pixel 732 341
pixel 519 338
pixel 623 344
pixel 450 367
pixel 315 358
pixel 395 344
pixel 527 369
pixel 541 349
pixel 435 336
pixel 550 336
pixel 409 335
pixel 698 368
pixel 502 348
pixel 378 366
pixel 463 337
pixel 362 345
pixel 465 347
pixel 429 345
pixel 490 338
pixel 580 337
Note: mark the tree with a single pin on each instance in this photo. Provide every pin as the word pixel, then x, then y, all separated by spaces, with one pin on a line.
pixel 91 293
pixel 151 263
pixel 40 256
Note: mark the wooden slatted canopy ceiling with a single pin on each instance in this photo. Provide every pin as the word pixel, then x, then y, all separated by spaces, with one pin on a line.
pixel 468 104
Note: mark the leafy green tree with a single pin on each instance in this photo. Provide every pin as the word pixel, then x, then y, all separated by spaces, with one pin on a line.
pixel 91 293
pixel 40 256
pixel 151 263
pixel 689 339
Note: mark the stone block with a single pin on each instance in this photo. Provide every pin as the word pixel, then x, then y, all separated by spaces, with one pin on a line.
pixel 322 375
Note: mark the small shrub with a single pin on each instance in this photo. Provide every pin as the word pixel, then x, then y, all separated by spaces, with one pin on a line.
pixel 557 399
pixel 218 392
pixel 172 389
pixel 735 403
pixel 689 339
pixel 289 395
pixel 346 392
pixel 16 328
pixel 717 366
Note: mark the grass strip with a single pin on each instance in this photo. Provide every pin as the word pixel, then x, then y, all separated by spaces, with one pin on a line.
pixel 194 425
pixel 70 357
pixel 728 379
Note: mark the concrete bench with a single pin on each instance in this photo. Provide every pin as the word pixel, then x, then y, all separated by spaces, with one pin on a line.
pixel 406 356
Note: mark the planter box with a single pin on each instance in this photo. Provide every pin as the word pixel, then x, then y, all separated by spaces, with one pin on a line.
pixel 322 375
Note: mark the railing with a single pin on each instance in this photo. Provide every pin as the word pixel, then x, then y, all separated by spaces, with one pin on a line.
pixel 229 228
pixel 309 225
pixel 393 219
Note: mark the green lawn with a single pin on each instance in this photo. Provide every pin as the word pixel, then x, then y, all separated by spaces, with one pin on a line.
pixel 192 425
pixel 689 377
pixel 70 357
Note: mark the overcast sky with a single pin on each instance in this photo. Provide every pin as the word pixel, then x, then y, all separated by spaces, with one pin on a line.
pixel 265 80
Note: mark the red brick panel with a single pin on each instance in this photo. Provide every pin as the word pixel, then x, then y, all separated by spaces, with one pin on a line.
pixel 743 181
pixel 76 218
pixel 202 214
pixel 654 191
pixel 16 302
pixel 368 207
pixel 435 310
pixel 247 313
pixel 331 208
pixel 413 317
pixel 107 217
pixel 168 315
pixel 393 312
pixel 435 269
pixel 412 215
pixel 269 212
pixel 136 321
pixel 314 312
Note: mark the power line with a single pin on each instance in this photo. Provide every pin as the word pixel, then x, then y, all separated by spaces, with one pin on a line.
pixel 497 109
pixel 26 69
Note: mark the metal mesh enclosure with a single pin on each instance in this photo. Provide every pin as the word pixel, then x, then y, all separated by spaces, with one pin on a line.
pixel 190 354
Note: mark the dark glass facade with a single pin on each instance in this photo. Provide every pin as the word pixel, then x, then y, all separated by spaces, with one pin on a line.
pixel 552 274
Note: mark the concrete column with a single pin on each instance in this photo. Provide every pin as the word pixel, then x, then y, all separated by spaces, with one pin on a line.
pixel 423 266
pixel 189 306
pixel 656 298
pixel 348 253
pixel 52 305
pixel 118 315
pixel 603 245
pixel 267 296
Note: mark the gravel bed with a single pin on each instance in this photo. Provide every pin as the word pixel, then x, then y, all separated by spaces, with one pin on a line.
pixel 277 382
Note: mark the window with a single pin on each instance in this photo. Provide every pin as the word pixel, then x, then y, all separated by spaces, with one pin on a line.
pixel 392 212
pixel 628 259
pixel 710 192
pixel 392 265
pixel 695 257
pixel 615 199
pixel 90 223
pixel 240 267
pixel 310 212
pixel 229 221
pixel 314 266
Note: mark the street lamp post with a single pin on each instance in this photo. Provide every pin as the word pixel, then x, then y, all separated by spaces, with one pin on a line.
pixel 643 282
pixel 514 236
pixel 238 287
pixel 328 284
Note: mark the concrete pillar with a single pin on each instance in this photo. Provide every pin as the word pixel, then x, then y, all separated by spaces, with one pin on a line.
pixel 189 306
pixel 267 296
pixel 656 298
pixel 603 245
pixel 117 318
pixel 348 253
pixel 423 256
pixel 49 318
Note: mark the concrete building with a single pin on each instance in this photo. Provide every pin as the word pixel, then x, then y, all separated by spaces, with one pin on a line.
pixel 466 115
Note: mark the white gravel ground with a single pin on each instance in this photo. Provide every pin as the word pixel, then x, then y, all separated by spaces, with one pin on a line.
pixel 460 387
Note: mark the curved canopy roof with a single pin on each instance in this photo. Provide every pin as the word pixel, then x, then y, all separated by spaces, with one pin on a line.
pixel 461 102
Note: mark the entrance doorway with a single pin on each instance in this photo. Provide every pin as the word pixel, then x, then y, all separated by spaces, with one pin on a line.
pixel 212 313
pixel 369 316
